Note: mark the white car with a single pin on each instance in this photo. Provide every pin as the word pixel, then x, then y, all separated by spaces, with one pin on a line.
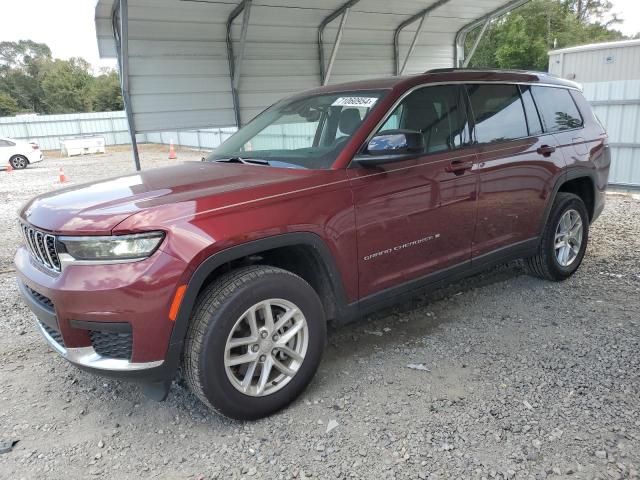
pixel 18 153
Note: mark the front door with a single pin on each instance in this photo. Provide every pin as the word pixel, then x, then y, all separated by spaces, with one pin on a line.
pixel 415 217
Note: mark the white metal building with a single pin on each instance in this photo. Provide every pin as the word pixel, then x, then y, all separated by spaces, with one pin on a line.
pixel 610 76
pixel 217 63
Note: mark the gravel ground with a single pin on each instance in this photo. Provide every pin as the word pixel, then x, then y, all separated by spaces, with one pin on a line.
pixel 520 378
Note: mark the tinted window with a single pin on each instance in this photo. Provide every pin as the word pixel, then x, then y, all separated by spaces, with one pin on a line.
pixel 438 113
pixel 4 143
pixel 498 112
pixel 533 118
pixel 557 108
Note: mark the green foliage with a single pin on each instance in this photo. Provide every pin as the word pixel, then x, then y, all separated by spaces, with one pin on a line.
pixel 106 92
pixel 31 81
pixel 8 106
pixel 522 38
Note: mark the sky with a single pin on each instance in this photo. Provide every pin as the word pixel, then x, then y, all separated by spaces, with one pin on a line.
pixel 67 25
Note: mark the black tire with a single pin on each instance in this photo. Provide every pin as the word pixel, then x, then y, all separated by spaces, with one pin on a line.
pixel 19 162
pixel 217 309
pixel 545 264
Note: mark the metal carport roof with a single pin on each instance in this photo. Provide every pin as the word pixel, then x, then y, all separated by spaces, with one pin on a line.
pixel 210 63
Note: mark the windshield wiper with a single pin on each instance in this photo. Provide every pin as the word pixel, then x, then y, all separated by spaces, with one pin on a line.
pixel 245 161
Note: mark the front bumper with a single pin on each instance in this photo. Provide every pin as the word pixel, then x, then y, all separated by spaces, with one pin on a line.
pixel 71 306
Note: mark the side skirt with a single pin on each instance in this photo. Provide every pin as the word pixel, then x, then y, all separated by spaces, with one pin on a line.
pixel 440 278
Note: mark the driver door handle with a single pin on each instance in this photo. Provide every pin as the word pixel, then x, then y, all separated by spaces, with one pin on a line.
pixel 546 150
pixel 459 166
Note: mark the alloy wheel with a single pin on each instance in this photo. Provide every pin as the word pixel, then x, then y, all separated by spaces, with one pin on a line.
pixel 568 238
pixel 266 347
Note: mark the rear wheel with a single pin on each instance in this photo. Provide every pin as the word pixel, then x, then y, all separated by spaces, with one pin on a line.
pixel 255 341
pixel 19 162
pixel 564 239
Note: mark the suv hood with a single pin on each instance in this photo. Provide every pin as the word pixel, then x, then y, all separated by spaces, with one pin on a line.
pixel 98 207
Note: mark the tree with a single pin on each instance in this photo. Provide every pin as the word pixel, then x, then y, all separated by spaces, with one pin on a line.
pixel 8 106
pixel 67 85
pixel 522 38
pixel 19 54
pixel 106 93
pixel 31 81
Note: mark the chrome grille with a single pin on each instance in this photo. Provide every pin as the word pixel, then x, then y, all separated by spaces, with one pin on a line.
pixel 42 246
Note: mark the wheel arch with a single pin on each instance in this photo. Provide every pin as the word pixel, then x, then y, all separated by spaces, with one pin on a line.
pixel 581 181
pixel 311 252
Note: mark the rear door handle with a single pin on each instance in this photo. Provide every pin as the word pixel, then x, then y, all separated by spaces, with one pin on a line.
pixel 459 166
pixel 546 150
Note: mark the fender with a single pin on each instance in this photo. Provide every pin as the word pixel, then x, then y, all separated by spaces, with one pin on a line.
pixel 571 174
pixel 202 272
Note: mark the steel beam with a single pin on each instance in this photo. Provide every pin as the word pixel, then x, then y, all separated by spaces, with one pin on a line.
pixel 476 43
pixel 336 44
pixel 327 20
pixel 231 58
pixel 461 35
pixel 120 25
pixel 421 15
pixel 243 41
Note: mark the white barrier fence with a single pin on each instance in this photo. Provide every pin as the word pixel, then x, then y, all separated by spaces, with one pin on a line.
pixel 49 130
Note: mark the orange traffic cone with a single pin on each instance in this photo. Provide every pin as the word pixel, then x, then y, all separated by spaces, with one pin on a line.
pixel 172 151
pixel 9 168
pixel 61 176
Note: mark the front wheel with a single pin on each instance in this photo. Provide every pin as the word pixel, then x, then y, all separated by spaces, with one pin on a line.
pixel 564 239
pixel 19 162
pixel 255 341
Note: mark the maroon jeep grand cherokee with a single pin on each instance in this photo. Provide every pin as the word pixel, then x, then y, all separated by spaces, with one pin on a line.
pixel 327 205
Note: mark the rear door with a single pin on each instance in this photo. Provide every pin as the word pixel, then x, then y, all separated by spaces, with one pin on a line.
pixel 414 217
pixel 561 116
pixel 518 164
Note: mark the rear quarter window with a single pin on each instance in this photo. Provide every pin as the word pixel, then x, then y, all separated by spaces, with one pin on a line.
pixel 498 112
pixel 557 108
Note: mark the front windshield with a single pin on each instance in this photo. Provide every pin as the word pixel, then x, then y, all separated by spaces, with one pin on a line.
pixel 302 133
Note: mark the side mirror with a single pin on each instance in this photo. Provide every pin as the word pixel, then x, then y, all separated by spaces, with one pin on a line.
pixel 392 145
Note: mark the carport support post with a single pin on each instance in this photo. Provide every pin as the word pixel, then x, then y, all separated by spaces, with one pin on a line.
pixel 476 43
pixel 336 44
pixel 422 14
pixel 123 50
pixel 326 21
pixel 413 44
pixel 243 41
pixel 245 5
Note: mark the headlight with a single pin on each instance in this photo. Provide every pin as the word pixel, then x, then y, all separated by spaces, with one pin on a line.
pixel 116 247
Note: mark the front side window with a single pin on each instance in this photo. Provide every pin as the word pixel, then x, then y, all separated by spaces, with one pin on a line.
pixel 557 108
pixel 438 112
pixel 498 112
pixel 301 133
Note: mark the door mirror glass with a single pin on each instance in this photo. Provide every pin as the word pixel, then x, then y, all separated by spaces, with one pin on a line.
pixel 393 142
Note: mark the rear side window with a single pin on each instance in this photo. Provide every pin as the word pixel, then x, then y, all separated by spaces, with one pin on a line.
pixel 498 112
pixel 557 108
pixel 5 143
pixel 438 112
pixel 533 117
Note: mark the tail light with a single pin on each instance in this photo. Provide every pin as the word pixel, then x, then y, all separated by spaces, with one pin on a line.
pixel 34 145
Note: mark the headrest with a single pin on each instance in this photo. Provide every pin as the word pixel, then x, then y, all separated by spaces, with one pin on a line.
pixel 349 121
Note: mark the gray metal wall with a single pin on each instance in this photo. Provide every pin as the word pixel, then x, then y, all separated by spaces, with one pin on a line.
pixel 597 63
pixel 617 105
